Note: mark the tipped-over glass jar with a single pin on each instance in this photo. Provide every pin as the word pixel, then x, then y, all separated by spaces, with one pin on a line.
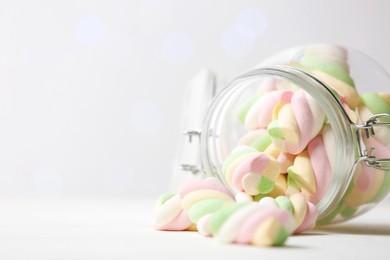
pixel 296 123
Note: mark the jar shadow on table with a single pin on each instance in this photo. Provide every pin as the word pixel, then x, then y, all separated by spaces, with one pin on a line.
pixel 356 229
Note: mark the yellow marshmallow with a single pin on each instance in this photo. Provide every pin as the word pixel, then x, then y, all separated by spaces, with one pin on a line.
pixel 266 233
pixel 280 186
pixel 288 124
pixel 299 208
pixel 304 173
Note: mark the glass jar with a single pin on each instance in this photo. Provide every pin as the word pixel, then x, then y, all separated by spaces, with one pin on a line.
pixel 358 171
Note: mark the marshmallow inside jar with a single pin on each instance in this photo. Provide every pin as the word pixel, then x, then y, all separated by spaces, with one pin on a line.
pixel 297 124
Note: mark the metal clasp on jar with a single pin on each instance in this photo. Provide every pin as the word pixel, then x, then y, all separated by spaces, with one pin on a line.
pixel 193 167
pixel 367 128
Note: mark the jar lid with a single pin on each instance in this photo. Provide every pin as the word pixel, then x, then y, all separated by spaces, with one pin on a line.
pixel 199 94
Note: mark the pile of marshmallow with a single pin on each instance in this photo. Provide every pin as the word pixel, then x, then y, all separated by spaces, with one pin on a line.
pixel 283 165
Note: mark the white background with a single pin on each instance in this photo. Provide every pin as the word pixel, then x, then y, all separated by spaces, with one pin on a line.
pixel 91 91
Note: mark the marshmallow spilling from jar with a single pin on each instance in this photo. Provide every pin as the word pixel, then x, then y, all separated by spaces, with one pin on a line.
pixel 282 166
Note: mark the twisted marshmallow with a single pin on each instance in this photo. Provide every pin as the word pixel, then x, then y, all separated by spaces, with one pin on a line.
pixel 305 213
pixel 169 214
pixel 209 205
pixel 251 171
pixel 249 223
pixel 297 123
pixel 329 64
pixel 260 113
pixel 171 211
pixel 197 190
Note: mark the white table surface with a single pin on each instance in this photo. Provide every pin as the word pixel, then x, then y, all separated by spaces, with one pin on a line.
pixel 121 229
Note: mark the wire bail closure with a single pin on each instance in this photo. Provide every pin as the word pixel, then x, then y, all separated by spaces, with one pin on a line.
pixel 368 130
pixel 192 168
